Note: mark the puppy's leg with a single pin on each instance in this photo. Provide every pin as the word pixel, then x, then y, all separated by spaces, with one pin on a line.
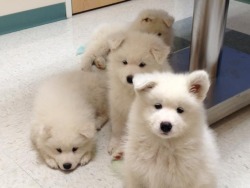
pixel 100 62
pixel 96 51
pixel 117 127
pixel 102 118
pixel 86 158
pixel 50 162
pixel 118 153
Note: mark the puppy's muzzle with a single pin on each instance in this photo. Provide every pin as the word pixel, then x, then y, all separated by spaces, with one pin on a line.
pixel 130 79
pixel 165 127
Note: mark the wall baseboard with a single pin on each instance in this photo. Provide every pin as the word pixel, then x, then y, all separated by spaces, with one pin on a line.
pixel 31 18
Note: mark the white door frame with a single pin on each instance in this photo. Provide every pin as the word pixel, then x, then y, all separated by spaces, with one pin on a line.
pixel 68 8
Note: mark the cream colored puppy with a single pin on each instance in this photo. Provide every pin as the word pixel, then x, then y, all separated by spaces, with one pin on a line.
pixel 169 143
pixel 131 53
pixel 67 111
pixel 153 21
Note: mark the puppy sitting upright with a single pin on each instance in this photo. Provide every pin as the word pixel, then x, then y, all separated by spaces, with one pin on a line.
pixel 131 53
pixel 169 144
pixel 67 111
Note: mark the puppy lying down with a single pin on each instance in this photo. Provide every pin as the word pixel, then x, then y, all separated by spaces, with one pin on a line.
pixel 68 109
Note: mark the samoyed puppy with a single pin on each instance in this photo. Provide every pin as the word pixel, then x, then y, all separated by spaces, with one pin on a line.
pixel 67 111
pixel 154 21
pixel 169 143
pixel 131 53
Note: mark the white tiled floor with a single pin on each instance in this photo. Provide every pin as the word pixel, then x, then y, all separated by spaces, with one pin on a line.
pixel 31 55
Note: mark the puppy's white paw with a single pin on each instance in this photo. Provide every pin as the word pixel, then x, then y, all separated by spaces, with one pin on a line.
pixel 100 63
pixel 86 158
pixel 51 163
pixel 113 145
pixel 117 155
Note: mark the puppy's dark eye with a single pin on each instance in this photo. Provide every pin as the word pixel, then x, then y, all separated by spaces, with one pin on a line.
pixel 125 62
pixel 59 150
pixel 180 110
pixel 74 149
pixel 158 106
pixel 159 34
pixel 142 64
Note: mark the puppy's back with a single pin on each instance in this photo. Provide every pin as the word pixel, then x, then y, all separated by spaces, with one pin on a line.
pixel 63 98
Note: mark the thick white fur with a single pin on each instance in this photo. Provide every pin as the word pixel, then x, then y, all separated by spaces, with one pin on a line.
pixel 185 157
pixel 135 48
pixel 153 21
pixel 67 111
pixel 97 49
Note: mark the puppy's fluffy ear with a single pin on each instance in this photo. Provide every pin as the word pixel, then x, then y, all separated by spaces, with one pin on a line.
pixel 88 131
pixel 160 51
pixel 198 84
pixel 169 21
pixel 143 83
pixel 116 40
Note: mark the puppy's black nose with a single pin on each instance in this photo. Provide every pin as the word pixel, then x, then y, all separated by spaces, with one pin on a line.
pixel 166 126
pixel 67 166
pixel 130 79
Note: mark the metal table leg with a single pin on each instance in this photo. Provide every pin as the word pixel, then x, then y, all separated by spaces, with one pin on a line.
pixel 209 22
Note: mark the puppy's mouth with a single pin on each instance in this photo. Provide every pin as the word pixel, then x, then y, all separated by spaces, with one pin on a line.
pixel 162 133
pixel 67 171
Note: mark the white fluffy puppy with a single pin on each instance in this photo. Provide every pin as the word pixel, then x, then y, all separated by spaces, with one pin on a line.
pixel 155 21
pixel 67 111
pixel 169 143
pixel 152 21
pixel 131 53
